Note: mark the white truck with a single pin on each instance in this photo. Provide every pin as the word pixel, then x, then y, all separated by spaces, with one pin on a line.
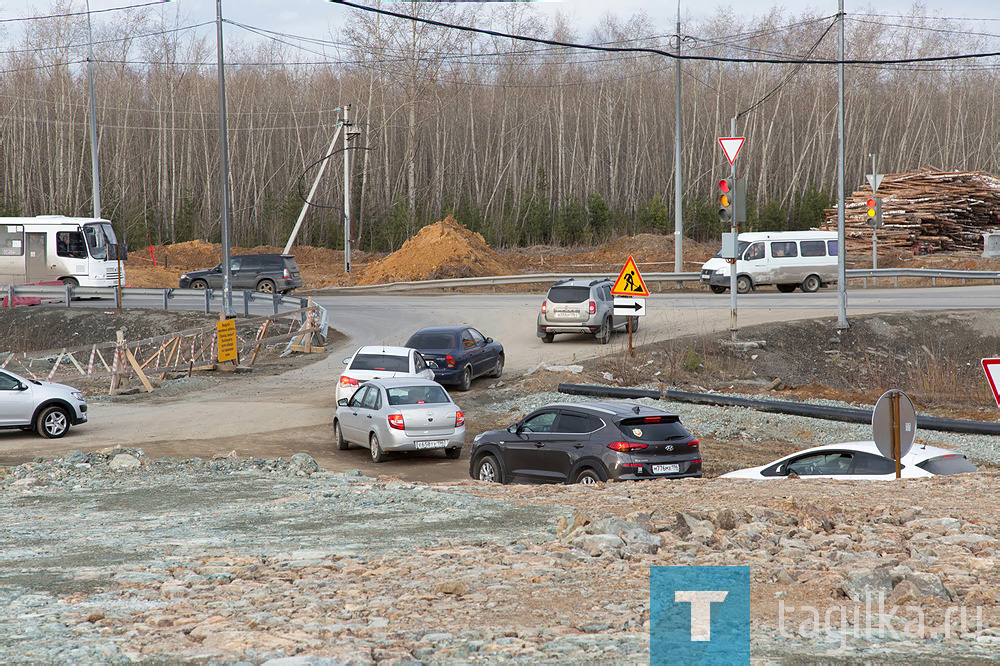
pixel 78 251
pixel 786 259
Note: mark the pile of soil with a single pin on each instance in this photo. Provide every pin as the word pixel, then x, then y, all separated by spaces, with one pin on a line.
pixel 321 267
pixel 445 249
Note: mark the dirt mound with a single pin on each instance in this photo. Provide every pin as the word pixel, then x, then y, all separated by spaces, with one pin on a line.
pixel 648 249
pixel 445 249
pixel 320 266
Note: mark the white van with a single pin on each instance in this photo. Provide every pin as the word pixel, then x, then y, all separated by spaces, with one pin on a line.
pixel 786 259
pixel 78 251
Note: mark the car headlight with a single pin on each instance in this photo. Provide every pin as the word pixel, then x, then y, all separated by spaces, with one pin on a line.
pixel 78 396
pixel 477 438
pixel 184 276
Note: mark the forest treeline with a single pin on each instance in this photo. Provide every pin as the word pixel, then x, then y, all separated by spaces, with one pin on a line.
pixel 525 143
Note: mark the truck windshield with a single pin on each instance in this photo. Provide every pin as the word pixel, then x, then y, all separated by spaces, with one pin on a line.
pixel 99 236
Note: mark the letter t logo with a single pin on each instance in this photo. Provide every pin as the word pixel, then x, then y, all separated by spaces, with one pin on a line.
pixel 701 610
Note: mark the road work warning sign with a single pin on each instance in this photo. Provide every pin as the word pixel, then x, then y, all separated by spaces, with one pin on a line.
pixel 227 340
pixel 629 282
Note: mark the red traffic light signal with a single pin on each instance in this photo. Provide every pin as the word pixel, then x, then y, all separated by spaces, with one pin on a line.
pixel 871 208
pixel 724 185
pixel 725 203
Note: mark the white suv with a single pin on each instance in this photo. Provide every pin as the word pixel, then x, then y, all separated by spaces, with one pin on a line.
pixel 576 305
pixel 48 408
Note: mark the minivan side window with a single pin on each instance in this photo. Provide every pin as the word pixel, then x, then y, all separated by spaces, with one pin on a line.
pixel 755 251
pixel 784 249
pixel 831 247
pixel 813 249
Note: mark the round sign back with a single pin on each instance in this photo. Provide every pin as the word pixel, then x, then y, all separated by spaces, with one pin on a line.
pixel 882 424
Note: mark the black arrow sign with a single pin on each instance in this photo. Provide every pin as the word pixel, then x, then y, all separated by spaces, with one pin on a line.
pixel 630 306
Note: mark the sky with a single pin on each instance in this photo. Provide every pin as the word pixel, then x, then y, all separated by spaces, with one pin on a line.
pixel 315 18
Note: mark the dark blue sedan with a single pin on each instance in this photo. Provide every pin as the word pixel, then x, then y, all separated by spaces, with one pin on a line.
pixel 458 354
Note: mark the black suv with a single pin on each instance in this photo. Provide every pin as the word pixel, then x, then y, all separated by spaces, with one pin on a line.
pixel 268 273
pixel 587 442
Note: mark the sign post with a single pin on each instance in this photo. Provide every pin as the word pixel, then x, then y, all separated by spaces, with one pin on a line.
pixel 630 285
pixel 731 146
pixel 894 426
pixel 874 213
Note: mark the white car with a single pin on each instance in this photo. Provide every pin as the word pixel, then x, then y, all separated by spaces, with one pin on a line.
pixel 379 362
pixel 45 407
pixel 859 460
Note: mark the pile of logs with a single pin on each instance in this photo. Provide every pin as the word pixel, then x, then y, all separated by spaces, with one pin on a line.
pixel 946 209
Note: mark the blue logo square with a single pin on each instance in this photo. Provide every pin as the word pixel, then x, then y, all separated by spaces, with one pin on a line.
pixel 699 615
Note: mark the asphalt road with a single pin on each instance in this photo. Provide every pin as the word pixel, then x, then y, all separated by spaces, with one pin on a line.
pixel 279 415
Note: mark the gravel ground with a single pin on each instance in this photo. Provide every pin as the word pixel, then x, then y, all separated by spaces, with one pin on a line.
pixel 749 425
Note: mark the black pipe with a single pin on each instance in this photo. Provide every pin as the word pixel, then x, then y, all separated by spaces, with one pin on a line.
pixel 846 414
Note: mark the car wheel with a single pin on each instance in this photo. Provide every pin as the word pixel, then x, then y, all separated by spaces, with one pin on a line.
pixel 266 286
pixel 71 282
pixel 338 435
pixel 604 337
pixel 811 284
pixel 743 285
pixel 488 470
pixel 52 422
pixel 498 369
pixel 454 453
pixel 199 284
pixel 587 477
pixel 378 455
pixel 548 337
pixel 466 382
pixel 786 288
pixel 717 289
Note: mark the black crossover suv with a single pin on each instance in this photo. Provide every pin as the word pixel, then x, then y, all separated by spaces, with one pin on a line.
pixel 585 443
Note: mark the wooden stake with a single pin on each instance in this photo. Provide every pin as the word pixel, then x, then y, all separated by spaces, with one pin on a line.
pixel 138 370
pixel 260 336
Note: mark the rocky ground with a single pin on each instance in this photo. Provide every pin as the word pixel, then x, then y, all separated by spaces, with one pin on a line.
pixel 114 557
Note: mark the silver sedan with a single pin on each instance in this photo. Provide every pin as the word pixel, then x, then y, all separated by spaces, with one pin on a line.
pixel 402 414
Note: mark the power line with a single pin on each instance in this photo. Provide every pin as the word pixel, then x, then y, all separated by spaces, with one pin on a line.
pixel 592 47
pixel 60 47
pixel 93 11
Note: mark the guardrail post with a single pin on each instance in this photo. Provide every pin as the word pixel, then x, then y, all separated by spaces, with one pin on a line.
pixel 275 301
pixel 208 301
pixel 10 296
pixel 166 295
pixel 246 302
pixel 864 283
pixel 69 295
pixel 933 281
pixel 118 297
pixel 895 282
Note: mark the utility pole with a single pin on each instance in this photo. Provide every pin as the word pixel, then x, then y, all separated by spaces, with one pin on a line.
pixel 841 250
pixel 678 203
pixel 305 205
pixel 93 119
pixel 347 189
pixel 227 273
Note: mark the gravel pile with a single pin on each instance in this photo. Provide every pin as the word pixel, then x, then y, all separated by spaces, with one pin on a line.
pixel 749 425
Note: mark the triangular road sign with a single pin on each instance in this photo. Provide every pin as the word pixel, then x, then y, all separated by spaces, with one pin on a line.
pixel 991 366
pixel 731 146
pixel 874 180
pixel 629 282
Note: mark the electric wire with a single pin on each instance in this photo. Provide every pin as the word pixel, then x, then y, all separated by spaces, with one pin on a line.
pixel 93 11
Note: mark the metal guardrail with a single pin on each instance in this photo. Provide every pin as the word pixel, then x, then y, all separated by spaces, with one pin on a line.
pixel 532 278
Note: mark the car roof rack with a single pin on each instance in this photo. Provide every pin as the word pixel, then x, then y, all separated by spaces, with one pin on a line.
pixel 598 281
pixel 562 281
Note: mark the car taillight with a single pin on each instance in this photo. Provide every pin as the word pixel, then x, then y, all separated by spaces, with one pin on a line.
pixel 459 419
pixel 449 360
pixel 626 447
pixel 348 381
pixel 396 421
pixel 286 274
pixel 694 443
pixel 696 460
pixel 593 308
pixel 632 465
pixel 544 306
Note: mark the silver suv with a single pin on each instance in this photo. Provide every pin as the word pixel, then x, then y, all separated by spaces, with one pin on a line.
pixel 581 306
pixel 47 408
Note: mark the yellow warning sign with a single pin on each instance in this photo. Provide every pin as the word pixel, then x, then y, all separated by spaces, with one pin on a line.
pixel 629 282
pixel 227 340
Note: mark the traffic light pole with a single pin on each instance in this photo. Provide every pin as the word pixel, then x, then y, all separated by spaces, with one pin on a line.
pixel 874 227
pixel 733 228
pixel 841 250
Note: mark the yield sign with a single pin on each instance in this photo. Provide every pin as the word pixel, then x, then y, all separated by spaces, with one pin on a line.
pixel 991 366
pixel 731 146
pixel 629 282
pixel 874 179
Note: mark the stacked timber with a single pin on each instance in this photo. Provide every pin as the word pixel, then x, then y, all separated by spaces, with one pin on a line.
pixel 946 209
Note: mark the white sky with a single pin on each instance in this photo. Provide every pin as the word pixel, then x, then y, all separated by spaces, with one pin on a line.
pixel 314 18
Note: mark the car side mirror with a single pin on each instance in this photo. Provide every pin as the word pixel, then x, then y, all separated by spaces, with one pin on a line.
pixel 489 340
pixel 514 428
pixel 342 402
pixel 347 360
pixel 22 387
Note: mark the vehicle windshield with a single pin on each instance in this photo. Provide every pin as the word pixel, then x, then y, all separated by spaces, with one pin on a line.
pixel 569 294
pixel 417 395
pixel 384 362
pixel 740 249
pixel 432 341
pixel 654 428
pixel 99 236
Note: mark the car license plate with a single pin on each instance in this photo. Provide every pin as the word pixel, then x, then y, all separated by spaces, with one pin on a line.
pixel 433 444
pixel 565 315
pixel 666 469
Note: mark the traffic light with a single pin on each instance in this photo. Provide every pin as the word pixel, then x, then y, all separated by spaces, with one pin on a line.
pixel 874 212
pixel 871 208
pixel 725 200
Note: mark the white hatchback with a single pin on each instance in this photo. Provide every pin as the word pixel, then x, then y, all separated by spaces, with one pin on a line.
pixel 860 461
pixel 379 362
